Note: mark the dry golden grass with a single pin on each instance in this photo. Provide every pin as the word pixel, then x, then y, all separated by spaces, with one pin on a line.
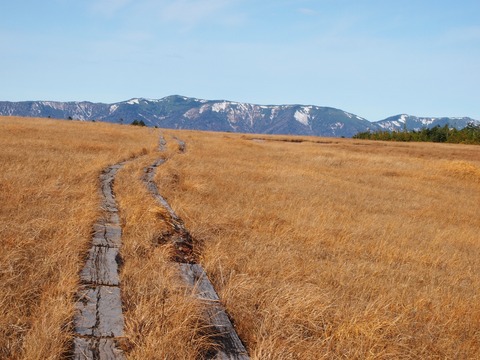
pixel 49 201
pixel 327 248
pixel 163 319
pixel 340 248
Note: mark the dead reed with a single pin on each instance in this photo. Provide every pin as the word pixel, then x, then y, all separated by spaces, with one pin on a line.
pixel 163 319
pixel 319 248
pixel 49 200
pixel 337 249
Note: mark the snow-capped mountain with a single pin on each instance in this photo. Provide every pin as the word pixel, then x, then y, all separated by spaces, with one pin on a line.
pixel 403 121
pixel 179 112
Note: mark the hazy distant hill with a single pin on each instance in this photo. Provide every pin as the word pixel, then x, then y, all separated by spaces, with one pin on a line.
pixel 181 112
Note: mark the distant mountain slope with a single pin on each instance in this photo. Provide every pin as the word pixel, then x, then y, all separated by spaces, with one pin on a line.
pixel 181 112
pixel 403 121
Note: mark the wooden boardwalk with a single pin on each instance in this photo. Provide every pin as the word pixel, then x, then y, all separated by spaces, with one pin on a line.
pixel 99 320
pixel 224 334
pixel 99 323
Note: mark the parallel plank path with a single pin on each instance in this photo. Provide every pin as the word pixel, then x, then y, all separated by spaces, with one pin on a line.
pixel 99 323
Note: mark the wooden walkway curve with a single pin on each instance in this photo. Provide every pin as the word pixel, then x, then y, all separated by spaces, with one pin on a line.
pixel 229 344
pixel 98 322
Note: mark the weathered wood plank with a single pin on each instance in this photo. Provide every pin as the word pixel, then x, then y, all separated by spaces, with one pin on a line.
pixel 107 235
pixel 99 319
pixel 101 267
pixel 83 349
pixel 113 235
pixel 225 336
pixel 101 349
pixel 231 347
pixel 109 350
pixel 109 312
pixel 113 218
pixel 162 144
pixel 99 312
pixel 86 314
pixel 182 146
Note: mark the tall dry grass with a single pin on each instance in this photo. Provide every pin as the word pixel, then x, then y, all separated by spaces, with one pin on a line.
pixel 49 199
pixel 338 249
pixel 164 319
pixel 328 248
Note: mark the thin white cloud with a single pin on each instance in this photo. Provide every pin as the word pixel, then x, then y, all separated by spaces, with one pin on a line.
pixel 463 34
pixel 307 11
pixel 137 36
pixel 185 13
pixel 109 7
pixel 190 13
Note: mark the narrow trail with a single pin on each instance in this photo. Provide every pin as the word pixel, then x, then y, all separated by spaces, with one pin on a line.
pixel 229 344
pixel 99 320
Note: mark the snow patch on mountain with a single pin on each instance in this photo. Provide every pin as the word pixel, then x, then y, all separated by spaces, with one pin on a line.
pixel 427 121
pixel 51 104
pixel 231 117
pixel 203 108
pixel 273 112
pixel 191 114
pixel 351 116
pixel 220 107
pixel 113 108
pixel 337 125
pixel 302 117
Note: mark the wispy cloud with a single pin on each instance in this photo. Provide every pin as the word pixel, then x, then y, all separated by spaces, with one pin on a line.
pixel 466 34
pixel 192 12
pixel 307 11
pixel 137 36
pixel 109 7
pixel 187 14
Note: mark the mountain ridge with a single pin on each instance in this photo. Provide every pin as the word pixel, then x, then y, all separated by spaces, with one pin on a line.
pixel 181 112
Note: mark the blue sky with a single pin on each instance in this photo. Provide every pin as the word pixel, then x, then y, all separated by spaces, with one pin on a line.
pixel 372 58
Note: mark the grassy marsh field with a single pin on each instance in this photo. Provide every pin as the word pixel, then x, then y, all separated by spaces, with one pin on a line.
pixel 335 248
pixel 324 248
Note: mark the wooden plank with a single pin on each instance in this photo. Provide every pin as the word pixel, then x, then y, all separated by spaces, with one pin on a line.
pixel 109 350
pixel 99 319
pixel 101 267
pixel 110 321
pixel 182 146
pixel 98 349
pixel 153 189
pixel 162 144
pixel 99 312
pixel 86 314
pixel 231 347
pixel 108 235
pixel 83 349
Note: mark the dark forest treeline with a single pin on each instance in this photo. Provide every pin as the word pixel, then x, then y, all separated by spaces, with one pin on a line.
pixel 468 135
